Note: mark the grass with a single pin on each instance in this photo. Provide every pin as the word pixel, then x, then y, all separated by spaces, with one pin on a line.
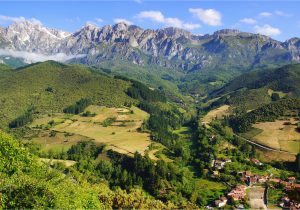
pixel 216 113
pixel 280 93
pixel 207 184
pixel 121 135
pixel 268 156
pixel 58 143
pixel 67 163
pixel 28 86
pixel 279 136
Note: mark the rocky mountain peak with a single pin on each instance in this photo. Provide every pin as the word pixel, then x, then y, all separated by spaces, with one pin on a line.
pixel 168 47
pixel 227 32
pixel 120 27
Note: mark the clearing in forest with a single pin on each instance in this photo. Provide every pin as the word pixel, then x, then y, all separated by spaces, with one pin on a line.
pixel 118 128
pixel 216 113
pixel 280 135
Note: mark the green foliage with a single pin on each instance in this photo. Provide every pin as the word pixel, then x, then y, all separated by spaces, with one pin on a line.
pixel 84 150
pixel 22 120
pixel 88 114
pixel 27 183
pixel 163 119
pixel 141 92
pixel 108 121
pixel 78 107
pixel 286 79
pixel 269 112
pixel 26 86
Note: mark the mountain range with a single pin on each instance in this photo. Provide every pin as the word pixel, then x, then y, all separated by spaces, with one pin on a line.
pixel 169 47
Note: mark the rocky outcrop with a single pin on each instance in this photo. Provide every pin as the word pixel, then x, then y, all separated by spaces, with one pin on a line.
pixel 168 47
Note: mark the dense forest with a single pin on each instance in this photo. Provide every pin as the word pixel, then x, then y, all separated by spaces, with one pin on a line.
pixel 78 107
pixel 23 119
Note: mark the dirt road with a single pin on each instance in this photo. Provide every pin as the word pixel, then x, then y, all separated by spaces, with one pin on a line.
pixel 256 198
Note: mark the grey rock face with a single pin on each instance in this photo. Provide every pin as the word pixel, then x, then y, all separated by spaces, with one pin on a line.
pixel 168 47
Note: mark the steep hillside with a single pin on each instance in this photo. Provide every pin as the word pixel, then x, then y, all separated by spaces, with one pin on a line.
pixel 50 87
pixel 286 79
pixel 27 182
pixel 252 90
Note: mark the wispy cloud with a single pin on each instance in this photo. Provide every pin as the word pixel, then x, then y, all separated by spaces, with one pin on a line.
pixel 99 20
pixel 122 20
pixel 275 13
pixel 210 17
pixel 72 20
pixel 265 14
pixel 7 19
pixel 35 57
pixel 267 30
pixel 282 14
pixel 157 16
pixel 138 1
pixel 249 21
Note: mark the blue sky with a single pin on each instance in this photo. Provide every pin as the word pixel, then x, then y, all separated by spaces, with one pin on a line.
pixel 278 19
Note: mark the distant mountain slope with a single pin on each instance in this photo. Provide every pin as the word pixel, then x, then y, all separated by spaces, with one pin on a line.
pixel 168 47
pixel 258 88
pixel 52 86
pixel 286 79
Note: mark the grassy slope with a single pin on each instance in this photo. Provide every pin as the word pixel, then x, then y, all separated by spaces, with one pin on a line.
pixel 26 86
pixel 253 90
pixel 286 79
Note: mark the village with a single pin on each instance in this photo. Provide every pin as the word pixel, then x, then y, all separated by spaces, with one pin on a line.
pixel 239 193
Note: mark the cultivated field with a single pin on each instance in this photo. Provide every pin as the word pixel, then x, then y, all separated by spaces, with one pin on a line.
pixel 58 142
pixel 67 163
pixel 121 134
pixel 280 135
pixel 216 113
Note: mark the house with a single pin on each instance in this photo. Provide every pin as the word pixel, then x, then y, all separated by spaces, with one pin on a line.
pixel 291 179
pixel 247 174
pixel 221 203
pixel 238 192
pixel 220 163
pixel 262 179
pixel 275 180
pixel 252 180
pixel 256 162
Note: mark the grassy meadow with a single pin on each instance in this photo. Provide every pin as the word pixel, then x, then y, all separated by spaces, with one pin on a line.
pixel 120 135
pixel 280 135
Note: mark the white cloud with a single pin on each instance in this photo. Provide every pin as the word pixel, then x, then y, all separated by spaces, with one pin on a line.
pixel 35 57
pixel 122 20
pixel 249 21
pixel 138 1
pixel 157 16
pixel 191 26
pixel 6 19
pixel 99 20
pixel 281 13
pixel 267 30
pixel 265 14
pixel 208 16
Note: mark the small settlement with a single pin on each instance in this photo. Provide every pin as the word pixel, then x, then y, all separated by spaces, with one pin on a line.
pixel 238 193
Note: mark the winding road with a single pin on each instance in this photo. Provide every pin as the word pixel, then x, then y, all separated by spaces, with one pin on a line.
pixel 262 146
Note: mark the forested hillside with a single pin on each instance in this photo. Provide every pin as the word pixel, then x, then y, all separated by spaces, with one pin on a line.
pixel 28 183
pixel 50 87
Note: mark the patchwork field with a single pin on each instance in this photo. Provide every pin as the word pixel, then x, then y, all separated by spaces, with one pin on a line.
pixel 216 113
pixel 115 127
pixel 67 163
pixel 280 135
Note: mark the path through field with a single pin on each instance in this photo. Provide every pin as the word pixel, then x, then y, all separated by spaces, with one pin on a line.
pixel 256 198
